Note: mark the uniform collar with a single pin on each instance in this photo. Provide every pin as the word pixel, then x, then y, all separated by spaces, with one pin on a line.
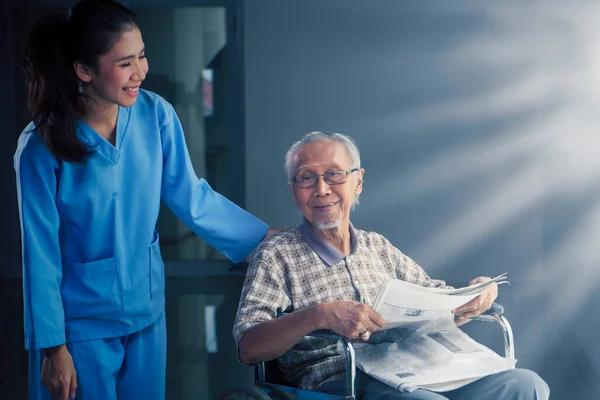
pixel 100 145
pixel 324 250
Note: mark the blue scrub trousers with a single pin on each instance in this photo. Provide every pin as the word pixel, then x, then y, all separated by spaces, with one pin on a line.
pixel 126 367
pixel 513 384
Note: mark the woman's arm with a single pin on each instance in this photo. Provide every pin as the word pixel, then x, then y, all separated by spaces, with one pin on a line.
pixel 220 222
pixel 36 171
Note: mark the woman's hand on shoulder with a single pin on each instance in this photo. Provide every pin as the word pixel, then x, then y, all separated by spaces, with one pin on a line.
pixel 273 231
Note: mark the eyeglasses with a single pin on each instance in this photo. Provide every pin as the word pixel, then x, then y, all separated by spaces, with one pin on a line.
pixel 333 177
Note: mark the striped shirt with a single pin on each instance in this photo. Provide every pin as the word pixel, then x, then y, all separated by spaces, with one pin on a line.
pixel 296 269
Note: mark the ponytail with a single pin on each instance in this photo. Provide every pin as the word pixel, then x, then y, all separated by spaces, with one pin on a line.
pixel 54 44
pixel 53 98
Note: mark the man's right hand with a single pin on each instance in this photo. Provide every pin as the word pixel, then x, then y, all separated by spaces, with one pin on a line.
pixel 58 373
pixel 352 319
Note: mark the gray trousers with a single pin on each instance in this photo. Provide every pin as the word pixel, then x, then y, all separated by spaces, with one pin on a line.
pixel 513 384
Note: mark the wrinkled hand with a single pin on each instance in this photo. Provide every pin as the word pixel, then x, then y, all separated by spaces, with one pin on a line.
pixel 353 320
pixel 58 373
pixel 479 304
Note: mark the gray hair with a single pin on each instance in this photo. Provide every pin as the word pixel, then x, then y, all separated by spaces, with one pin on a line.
pixel 321 136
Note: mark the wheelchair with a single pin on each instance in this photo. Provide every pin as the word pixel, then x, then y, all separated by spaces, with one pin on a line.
pixel 269 384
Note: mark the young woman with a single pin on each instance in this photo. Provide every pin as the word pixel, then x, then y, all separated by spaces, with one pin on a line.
pixel 92 168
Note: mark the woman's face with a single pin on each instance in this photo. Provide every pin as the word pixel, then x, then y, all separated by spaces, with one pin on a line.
pixel 120 72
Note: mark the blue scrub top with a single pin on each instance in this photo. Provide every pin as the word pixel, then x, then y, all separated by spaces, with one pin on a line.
pixel 92 266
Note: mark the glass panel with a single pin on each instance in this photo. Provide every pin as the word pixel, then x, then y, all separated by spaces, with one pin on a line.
pixel 202 356
pixel 185 48
pixel 186 51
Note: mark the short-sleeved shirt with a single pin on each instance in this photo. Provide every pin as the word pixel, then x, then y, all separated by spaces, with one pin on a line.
pixel 296 269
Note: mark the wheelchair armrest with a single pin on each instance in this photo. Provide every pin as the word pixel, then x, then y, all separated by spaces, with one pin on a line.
pixel 495 314
pixel 348 351
pixel 325 333
pixel 495 309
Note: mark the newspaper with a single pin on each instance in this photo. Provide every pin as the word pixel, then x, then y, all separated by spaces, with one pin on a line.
pixel 420 345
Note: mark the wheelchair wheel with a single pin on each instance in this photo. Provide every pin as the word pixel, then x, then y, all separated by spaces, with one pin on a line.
pixel 278 393
pixel 244 391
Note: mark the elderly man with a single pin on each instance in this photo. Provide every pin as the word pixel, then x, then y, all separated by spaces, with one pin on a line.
pixel 329 273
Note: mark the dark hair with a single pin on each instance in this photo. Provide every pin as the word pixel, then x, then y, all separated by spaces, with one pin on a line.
pixel 55 42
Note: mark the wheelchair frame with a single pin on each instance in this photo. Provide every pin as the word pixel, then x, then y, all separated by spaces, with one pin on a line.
pixel 494 314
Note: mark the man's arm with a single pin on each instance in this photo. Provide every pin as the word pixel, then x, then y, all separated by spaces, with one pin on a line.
pixel 261 335
pixel 271 339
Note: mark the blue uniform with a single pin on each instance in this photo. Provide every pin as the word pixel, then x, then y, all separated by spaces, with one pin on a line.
pixel 92 267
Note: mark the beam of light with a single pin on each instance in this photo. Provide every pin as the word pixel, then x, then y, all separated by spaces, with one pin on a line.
pixel 571 275
pixel 546 66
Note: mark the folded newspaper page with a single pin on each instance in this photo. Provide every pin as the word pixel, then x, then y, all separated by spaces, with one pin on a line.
pixel 399 301
pixel 420 346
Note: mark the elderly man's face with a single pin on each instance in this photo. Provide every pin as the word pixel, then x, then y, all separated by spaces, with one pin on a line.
pixel 326 206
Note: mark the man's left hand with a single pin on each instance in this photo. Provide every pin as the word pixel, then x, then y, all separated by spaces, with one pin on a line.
pixel 479 304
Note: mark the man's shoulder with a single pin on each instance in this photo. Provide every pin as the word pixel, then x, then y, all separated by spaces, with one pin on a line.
pixel 371 239
pixel 277 249
pixel 280 241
